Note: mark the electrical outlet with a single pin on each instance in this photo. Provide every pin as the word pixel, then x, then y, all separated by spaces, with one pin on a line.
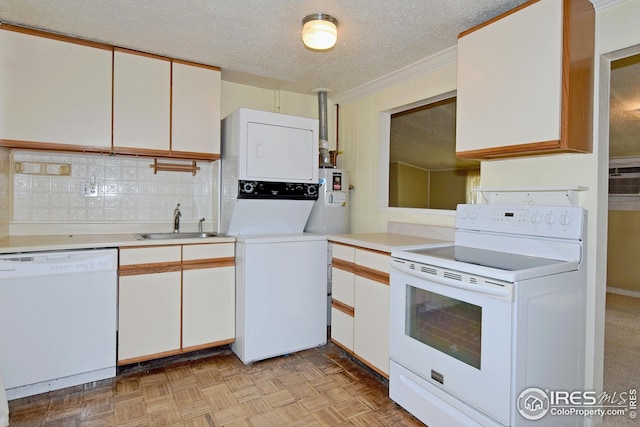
pixel 90 189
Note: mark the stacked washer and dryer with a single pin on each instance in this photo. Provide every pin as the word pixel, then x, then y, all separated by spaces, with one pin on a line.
pixel 269 185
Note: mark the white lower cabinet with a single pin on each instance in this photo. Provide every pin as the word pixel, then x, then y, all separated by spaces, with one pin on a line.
pixel 208 306
pixel 360 304
pixel 174 299
pixel 371 323
pixel 148 314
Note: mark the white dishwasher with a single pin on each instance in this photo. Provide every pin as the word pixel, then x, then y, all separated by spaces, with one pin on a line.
pixel 57 319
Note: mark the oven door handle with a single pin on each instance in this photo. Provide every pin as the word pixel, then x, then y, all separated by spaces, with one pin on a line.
pixel 484 286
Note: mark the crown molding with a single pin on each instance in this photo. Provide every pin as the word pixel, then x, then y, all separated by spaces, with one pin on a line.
pixel 427 65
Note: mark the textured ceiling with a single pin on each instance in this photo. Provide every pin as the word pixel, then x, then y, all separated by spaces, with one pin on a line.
pixel 259 41
pixel 624 128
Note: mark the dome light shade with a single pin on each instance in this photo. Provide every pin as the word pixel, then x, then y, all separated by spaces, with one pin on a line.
pixel 319 31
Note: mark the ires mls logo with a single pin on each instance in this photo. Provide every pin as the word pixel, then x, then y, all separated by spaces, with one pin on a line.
pixel 534 403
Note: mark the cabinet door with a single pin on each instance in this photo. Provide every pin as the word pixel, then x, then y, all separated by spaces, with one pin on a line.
pixel 54 91
pixel 195 114
pixel 371 324
pixel 141 101
pixel 208 306
pixel 342 328
pixel 510 82
pixel 148 315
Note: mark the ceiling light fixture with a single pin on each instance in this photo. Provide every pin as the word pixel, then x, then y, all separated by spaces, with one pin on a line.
pixel 635 113
pixel 319 31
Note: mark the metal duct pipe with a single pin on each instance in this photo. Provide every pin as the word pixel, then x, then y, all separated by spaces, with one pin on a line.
pixel 325 156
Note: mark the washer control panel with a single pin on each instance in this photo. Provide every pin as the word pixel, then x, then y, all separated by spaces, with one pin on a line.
pixel 277 190
pixel 550 221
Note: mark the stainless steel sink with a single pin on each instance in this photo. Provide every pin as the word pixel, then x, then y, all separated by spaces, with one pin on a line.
pixel 160 236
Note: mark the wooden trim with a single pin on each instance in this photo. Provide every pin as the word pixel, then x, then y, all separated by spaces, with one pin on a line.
pixel 126 151
pixel 193 155
pixel 194 64
pixel 342 346
pixel 140 53
pixel 148 246
pixel 152 268
pixel 208 345
pixel 513 150
pixel 497 18
pixel 371 365
pixel 174 352
pixel 342 307
pixel 52 146
pixel 149 357
pixel 343 265
pixel 146 152
pixel 371 274
pixel 54 36
pixel 578 46
pixel 362 248
pixel 208 263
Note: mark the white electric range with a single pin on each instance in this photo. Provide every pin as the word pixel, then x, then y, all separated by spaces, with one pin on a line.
pixel 477 323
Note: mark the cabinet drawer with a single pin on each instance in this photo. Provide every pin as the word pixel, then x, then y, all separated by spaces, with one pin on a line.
pixel 343 252
pixel 150 255
pixel 208 251
pixel 342 329
pixel 373 260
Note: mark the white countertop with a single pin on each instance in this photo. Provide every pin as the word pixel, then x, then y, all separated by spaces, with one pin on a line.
pixel 12 244
pixel 384 242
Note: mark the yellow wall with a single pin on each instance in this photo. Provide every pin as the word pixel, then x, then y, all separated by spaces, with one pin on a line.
pixel 408 186
pixel 234 95
pixel 448 188
pixel 623 250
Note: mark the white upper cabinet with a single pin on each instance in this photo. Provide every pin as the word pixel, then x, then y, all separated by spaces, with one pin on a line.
pixel 54 91
pixel 195 113
pixel 525 81
pixel 164 107
pixel 141 101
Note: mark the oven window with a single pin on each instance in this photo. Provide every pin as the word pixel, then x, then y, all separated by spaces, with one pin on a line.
pixel 451 326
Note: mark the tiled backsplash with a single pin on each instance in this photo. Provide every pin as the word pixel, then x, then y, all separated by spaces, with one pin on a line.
pixel 128 191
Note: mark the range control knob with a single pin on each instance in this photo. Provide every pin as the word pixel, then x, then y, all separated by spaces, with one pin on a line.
pixel 550 218
pixel 565 219
pixel 536 217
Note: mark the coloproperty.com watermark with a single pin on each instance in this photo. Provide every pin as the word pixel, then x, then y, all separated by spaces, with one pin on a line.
pixel 535 403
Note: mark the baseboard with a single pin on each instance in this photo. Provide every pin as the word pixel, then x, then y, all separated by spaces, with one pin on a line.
pixel 621 291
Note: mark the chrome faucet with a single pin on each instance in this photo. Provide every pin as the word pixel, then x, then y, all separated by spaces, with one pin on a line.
pixel 200 221
pixel 176 219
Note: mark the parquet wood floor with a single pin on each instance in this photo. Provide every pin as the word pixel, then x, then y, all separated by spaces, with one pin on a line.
pixel 316 387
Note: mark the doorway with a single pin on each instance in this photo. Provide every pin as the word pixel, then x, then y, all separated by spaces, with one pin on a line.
pixel 622 307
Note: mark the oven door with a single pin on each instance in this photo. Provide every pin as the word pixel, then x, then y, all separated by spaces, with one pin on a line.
pixel 454 334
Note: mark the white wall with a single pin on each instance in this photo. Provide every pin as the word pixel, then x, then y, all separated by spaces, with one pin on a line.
pixel 616 28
